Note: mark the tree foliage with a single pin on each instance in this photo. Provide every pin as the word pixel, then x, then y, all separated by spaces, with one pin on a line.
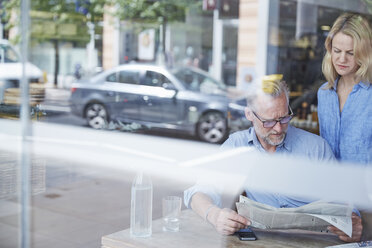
pixel 159 12
pixel 368 4
pixel 154 11
pixel 60 9
pixel 150 11
pixel 7 6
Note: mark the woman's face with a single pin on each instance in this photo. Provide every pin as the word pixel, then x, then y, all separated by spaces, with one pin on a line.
pixel 343 55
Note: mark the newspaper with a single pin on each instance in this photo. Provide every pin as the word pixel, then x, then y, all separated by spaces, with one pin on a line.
pixel 315 216
pixel 353 245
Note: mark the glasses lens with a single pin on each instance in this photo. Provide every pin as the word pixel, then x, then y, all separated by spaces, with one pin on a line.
pixel 269 124
pixel 286 119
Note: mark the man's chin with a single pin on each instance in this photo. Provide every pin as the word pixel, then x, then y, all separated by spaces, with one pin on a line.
pixel 274 141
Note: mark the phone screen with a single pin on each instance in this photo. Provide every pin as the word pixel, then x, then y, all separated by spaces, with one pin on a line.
pixel 246 234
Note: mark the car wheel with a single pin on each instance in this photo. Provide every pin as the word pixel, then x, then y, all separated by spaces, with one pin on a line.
pixel 96 115
pixel 212 127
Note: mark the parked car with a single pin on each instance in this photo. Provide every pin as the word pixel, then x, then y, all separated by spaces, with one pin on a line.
pixel 183 99
pixel 11 75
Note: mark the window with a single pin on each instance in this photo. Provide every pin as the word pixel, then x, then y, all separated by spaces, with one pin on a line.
pixel 129 77
pixel 80 179
pixel 7 54
pixel 155 79
pixel 126 77
pixel 112 77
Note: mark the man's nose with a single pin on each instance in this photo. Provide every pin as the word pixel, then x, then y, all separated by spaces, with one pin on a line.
pixel 278 127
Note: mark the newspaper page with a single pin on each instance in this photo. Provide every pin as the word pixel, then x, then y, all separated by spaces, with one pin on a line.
pixel 353 245
pixel 315 216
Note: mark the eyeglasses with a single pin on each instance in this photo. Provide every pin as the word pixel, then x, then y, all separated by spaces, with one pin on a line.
pixel 272 123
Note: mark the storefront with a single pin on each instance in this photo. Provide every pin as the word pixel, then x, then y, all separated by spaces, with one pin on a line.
pixel 292 44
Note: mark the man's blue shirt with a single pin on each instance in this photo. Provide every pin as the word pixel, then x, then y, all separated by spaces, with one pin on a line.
pixel 297 142
pixel 349 133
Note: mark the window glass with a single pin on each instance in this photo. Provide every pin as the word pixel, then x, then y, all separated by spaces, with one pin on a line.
pixel 112 77
pixel 297 31
pixel 153 78
pixel 67 173
pixel 7 54
pixel 198 81
pixel 129 77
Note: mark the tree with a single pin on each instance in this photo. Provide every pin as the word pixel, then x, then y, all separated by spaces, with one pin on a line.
pixel 156 12
pixel 58 11
pixel 6 8
pixel 368 4
pixel 89 11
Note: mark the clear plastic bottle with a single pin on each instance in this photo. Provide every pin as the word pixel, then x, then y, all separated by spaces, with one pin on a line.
pixel 141 207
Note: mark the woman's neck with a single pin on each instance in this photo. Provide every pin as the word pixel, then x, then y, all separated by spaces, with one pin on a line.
pixel 347 81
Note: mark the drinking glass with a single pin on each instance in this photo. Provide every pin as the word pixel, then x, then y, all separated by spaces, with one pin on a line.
pixel 171 213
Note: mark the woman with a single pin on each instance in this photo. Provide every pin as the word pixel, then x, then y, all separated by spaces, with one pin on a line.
pixel 345 101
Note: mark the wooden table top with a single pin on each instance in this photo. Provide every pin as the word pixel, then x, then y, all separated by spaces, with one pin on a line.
pixel 195 232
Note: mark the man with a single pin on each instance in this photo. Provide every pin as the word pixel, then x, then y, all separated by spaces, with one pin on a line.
pixel 269 111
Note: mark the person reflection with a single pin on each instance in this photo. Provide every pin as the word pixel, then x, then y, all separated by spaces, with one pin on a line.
pixel 269 111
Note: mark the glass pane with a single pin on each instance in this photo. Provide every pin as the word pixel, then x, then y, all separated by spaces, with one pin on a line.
pixel 9 198
pixel 154 79
pixel 88 139
pixel 129 77
pixel 112 78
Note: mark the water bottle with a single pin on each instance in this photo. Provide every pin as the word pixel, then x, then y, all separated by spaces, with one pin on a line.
pixel 141 207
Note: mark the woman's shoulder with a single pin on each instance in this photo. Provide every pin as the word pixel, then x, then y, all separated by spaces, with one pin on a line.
pixel 324 86
pixel 324 89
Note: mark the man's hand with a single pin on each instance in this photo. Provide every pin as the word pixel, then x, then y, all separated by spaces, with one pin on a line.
pixel 227 221
pixel 357 230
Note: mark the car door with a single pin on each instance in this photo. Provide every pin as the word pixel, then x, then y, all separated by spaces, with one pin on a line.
pixel 158 98
pixel 124 85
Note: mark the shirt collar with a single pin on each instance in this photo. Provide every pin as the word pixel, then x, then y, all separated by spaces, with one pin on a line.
pixel 336 84
pixel 364 85
pixel 288 139
pixel 252 138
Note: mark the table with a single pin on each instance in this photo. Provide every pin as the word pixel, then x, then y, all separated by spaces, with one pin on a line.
pixel 195 232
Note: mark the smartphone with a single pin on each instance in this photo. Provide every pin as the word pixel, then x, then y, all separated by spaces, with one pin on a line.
pixel 246 234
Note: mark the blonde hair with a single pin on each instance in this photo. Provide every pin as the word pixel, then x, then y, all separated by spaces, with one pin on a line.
pixel 358 28
pixel 271 85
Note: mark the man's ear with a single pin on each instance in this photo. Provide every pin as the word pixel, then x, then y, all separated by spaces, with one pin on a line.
pixel 248 114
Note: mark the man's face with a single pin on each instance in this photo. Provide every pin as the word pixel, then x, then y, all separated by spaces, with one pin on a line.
pixel 269 108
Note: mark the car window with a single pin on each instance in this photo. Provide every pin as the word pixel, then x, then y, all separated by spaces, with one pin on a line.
pixel 129 77
pixel 126 77
pixel 153 78
pixel 190 80
pixel 7 54
pixel 196 81
pixel 112 78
